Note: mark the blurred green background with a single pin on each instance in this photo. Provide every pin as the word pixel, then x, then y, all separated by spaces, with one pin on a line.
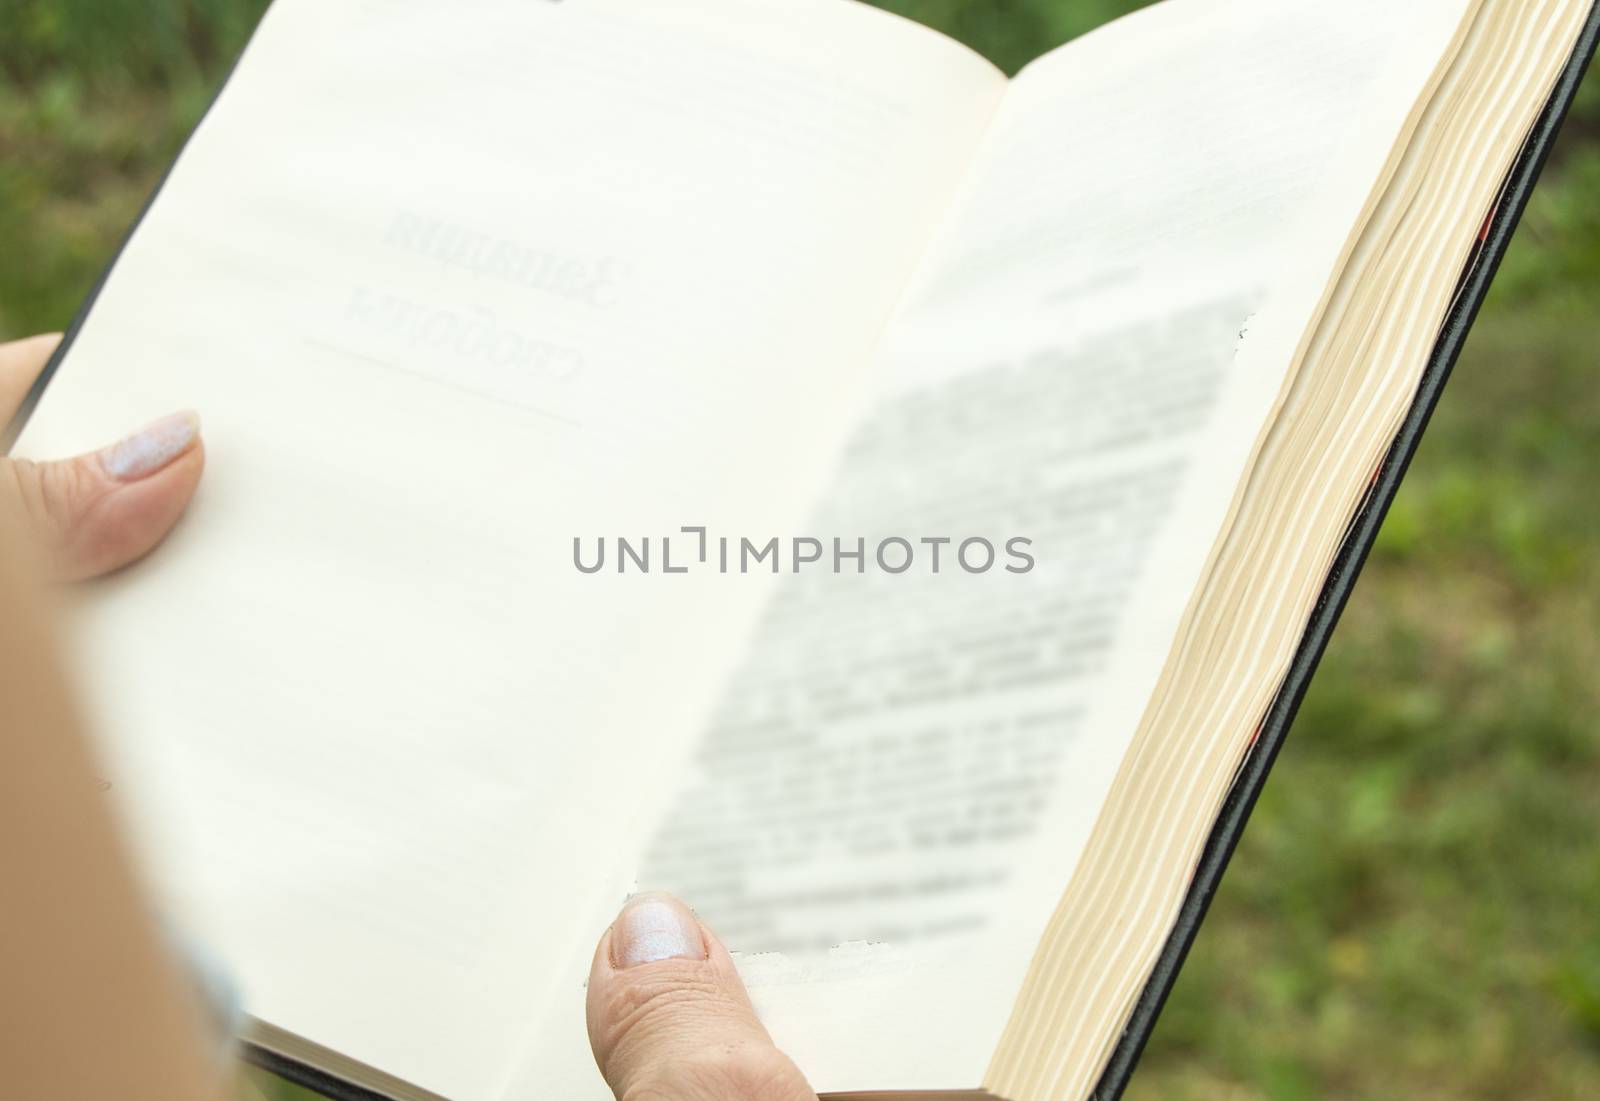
pixel 1415 909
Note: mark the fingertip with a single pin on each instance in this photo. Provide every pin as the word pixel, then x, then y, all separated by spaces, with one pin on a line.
pixel 669 1017
pixel 21 361
pixel 152 448
pixel 32 347
pixel 654 926
pixel 132 518
pixel 657 938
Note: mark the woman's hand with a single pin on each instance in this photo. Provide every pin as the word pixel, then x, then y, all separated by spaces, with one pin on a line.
pixel 669 1019
pixel 98 512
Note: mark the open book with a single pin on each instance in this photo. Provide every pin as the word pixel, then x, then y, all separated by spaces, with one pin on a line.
pixel 754 449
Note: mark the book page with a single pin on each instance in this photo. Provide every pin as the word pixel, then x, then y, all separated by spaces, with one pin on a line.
pixel 897 783
pixel 452 287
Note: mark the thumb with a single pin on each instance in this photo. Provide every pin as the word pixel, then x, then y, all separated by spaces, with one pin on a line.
pixel 669 1019
pixel 98 512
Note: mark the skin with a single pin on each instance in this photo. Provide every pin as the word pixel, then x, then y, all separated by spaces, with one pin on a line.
pixel 92 1005
pixel 78 513
pixel 676 1024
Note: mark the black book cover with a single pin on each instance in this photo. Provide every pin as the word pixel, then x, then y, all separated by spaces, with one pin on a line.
pixel 1224 837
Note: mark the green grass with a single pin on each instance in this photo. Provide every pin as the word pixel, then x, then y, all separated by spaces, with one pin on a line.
pixel 1414 909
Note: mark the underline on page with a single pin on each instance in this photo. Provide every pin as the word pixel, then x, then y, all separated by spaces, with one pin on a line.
pixel 423 376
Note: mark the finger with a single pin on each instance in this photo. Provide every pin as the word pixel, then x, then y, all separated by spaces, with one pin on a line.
pixel 669 1019
pixel 20 364
pixel 99 512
